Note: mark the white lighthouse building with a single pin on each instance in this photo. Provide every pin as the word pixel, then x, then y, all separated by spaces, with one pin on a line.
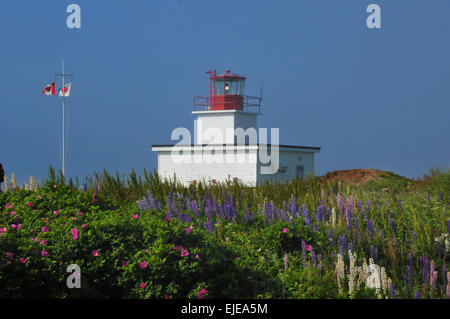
pixel 228 144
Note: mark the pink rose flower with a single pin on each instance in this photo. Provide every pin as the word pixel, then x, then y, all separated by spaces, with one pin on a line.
pixel 2 230
pixel 143 264
pixel 75 233
pixel 10 255
pixel 136 216
pixel 9 206
pixel 184 253
pixel 30 204
pixel 23 260
pixel 166 296
pixel 43 242
pixel 143 285
pixel 201 293
pixel 13 226
pixel 285 230
pixel 124 263
pixel 95 253
pixel 177 247
pixel 44 253
pixel 56 213
pixel 38 196
pixel 188 230
pixel 13 213
pixel 308 247
pixel 79 214
pixel 84 225
pixel 44 229
pixel 167 219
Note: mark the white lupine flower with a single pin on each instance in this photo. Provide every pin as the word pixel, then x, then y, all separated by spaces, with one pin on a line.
pixel 340 271
pixel 384 280
pixel 333 217
pixel 13 181
pixel 5 179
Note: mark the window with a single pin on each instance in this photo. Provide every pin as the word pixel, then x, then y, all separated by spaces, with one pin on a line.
pixel 300 171
pixel 219 85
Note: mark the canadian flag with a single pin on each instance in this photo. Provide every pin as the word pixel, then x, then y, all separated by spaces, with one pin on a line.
pixel 50 89
pixel 66 90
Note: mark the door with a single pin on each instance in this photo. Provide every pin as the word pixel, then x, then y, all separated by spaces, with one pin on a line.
pixel 300 171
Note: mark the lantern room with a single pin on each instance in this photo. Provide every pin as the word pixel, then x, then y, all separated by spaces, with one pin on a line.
pixel 226 92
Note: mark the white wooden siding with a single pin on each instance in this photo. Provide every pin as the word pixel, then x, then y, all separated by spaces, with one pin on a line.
pixel 243 168
pixel 246 166
pixel 291 159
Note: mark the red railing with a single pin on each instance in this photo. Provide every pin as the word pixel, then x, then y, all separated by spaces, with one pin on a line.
pixel 203 103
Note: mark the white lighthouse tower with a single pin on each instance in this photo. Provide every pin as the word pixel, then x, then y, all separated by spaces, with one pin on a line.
pixel 227 145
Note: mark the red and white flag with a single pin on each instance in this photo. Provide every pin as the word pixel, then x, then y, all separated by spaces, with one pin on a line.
pixel 50 89
pixel 66 90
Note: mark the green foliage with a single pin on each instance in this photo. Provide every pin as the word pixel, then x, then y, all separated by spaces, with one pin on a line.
pixel 126 252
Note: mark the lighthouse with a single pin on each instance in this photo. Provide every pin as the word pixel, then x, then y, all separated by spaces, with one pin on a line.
pixel 227 144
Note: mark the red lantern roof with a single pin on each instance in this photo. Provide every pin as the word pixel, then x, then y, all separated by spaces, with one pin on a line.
pixel 229 75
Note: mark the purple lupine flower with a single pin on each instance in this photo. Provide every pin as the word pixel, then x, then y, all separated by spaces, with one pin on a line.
pixel 292 207
pixel 425 269
pixel 313 257
pixel 416 295
pixel 393 295
pixel 370 227
pixel 320 213
pixel 85 187
pixel 306 216
pixel 428 196
pixel 330 236
pixel 405 278
pixel 372 251
pixel 246 215
pixel 362 214
pixel 342 241
pixel 304 253
pixel 440 196
pixel 349 219
pixel 409 272
pixel 375 257
pixel 275 213
pixel 209 226
pixel 358 204
pixel 268 213
pixel 350 246
pixel 356 223
pixel 194 209
pixel 368 204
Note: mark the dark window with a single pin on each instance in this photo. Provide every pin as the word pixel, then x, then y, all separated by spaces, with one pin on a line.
pixel 300 171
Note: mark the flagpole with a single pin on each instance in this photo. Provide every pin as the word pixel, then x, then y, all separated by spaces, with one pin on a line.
pixel 63 128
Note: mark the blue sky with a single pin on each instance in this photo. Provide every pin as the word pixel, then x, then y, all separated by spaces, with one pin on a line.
pixel 369 98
